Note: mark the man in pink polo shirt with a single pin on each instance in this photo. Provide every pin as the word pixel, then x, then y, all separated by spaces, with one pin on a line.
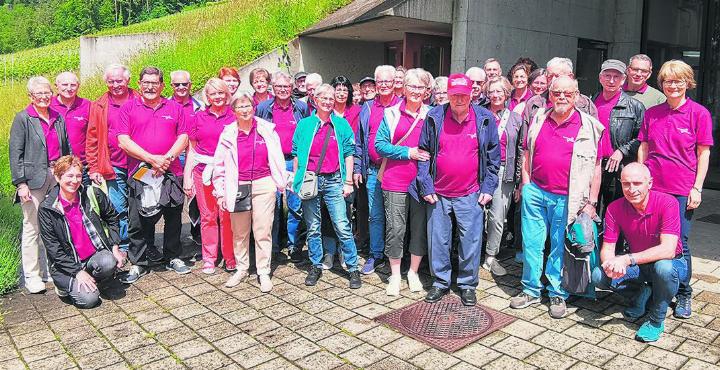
pixel 75 110
pixel 639 69
pixel 153 132
pixel 458 181
pixel 650 223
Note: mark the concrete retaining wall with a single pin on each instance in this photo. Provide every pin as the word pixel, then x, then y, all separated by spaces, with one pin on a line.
pixel 98 52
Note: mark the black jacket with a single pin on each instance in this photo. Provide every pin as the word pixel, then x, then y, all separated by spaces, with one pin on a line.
pixel 625 121
pixel 62 258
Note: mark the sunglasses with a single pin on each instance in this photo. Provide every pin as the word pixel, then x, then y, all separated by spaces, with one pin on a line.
pixel 181 84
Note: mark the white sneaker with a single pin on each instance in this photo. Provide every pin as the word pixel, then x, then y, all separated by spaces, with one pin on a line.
pixel 491 264
pixel 342 261
pixel 208 270
pixel 61 293
pixel 266 284
pixel 327 262
pixel 35 286
pixel 414 281
pixel 393 287
pixel 237 278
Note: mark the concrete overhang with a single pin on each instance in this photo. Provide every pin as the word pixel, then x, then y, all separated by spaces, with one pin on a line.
pixel 383 29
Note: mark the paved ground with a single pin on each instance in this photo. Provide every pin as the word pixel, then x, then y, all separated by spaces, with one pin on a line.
pixel 167 321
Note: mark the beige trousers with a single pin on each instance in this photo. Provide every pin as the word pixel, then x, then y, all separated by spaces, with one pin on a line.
pixel 34 258
pixel 260 218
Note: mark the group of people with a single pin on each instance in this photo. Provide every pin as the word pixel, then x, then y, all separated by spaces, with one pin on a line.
pixel 412 165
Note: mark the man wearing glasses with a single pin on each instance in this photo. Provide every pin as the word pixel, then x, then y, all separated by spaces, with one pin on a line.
pixel 285 112
pixel 560 178
pixel 639 70
pixel 152 131
pixel 479 78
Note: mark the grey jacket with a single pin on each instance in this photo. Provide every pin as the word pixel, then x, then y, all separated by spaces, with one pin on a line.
pixel 28 150
pixel 512 133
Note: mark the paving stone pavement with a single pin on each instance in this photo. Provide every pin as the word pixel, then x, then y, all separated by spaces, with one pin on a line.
pixel 169 321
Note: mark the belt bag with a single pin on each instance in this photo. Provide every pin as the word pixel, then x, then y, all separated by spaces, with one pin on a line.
pixel 243 198
pixel 309 186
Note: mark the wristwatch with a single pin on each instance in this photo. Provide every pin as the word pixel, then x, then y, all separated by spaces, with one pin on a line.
pixel 632 260
pixel 698 189
pixel 594 204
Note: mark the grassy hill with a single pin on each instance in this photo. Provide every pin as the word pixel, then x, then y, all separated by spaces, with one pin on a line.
pixel 230 33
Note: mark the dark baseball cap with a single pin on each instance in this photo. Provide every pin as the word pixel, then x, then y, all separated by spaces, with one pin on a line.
pixel 367 79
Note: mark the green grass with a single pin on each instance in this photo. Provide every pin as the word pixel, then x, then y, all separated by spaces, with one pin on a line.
pixel 50 59
pixel 10 224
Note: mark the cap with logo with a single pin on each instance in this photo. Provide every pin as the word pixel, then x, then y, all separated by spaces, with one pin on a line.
pixel 459 84
pixel 613 64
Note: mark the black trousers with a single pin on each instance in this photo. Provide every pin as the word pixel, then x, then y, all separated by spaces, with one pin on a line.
pixel 140 229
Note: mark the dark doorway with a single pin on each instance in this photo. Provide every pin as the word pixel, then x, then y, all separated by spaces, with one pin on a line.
pixel 429 52
pixel 590 55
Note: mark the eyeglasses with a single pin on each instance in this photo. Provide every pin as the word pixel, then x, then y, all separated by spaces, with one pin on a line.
pixel 610 76
pixel 325 98
pixel 181 84
pixel 558 93
pixel 640 70
pixel 243 107
pixel 384 82
pixel 496 93
pixel 281 87
pixel 150 83
pixel 44 94
pixel 415 87
pixel 678 83
pixel 478 83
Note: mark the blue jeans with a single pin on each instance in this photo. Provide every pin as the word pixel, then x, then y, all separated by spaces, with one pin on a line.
pixel 469 217
pixel 686 215
pixel 118 194
pixel 294 216
pixel 542 212
pixel 377 214
pixel 664 276
pixel 330 192
pixel 330 241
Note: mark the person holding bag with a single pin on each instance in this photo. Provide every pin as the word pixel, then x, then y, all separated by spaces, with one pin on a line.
pixel 249 170
pixel 323 147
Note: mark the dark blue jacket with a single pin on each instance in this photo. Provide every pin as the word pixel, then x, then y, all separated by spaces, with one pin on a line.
pixel 488 149
pixel 264 109
pixel 362 158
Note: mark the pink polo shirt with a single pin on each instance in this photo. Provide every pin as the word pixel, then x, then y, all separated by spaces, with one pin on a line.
pixel 252 153
pixel 118 157
pixel 257 100
pixel 514 102
pixel 457 158
pixel 205 131
pixel 604 108
pixel 377 112
pixel 352 115
pixel 52 141
pixel 76 122
pixel 154 130
pixel 399 174
pixel 331 162
pixel 285 125
pixel 503 136
pixel 553 154
pixel 672 137
pixel 642 230
pixel 78 235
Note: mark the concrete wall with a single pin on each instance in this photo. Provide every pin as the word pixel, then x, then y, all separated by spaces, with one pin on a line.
pixel 98 52
pixel 287 59
pixel 331 57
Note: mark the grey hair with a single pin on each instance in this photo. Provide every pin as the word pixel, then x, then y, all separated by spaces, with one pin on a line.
pixel 556 80
pixel 503 82
pixel 476 70
pixel 382 69
pixel 112 67
pixel 567 62
pixel 65 74
pixel 37 81
pixel 313 78
pixel 324 89
pixel 179 73
pixel 241 94
pixel 280 75
pixel 440 81
pixel 641 57
pixel 490 60
pixel 419 74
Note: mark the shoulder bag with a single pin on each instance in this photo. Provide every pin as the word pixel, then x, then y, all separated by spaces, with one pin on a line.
pixel 309 186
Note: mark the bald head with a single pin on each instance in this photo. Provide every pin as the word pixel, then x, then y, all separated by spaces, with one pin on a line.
pixel 636 169
pixel 636 183
pixel 67 85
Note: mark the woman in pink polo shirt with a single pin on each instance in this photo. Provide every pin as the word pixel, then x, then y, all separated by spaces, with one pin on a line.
pixel 204 136
pixel 538 81
pixel 231 77
pixel 521 89
pixel 249 170
pixel 676 137
pixel 260 81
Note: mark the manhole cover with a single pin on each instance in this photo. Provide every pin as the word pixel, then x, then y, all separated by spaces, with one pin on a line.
pixel 447 325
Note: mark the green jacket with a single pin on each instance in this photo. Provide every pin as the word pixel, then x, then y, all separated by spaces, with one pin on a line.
pixel 303 138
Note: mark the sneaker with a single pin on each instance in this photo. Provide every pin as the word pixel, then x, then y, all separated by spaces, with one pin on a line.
pixel 637 309
pixel 491 264
pixel 355 282
pixel 649 331
pixel 178 266
pixel 683 307
pixel 393 286
pixel 266 284
pixel 134 274
pixel 519 257
pixel 208 269
pixel 61 293
pixel 523 300
pixel 414 282
pixel 342 261
pixel 237 278
pixel 153 256
pixel 558 309
pixel 313 276
pixel 279 257
pixel 371 264
pixel 35 286
pixel 296 256
pixel 327 262
pixel 229 268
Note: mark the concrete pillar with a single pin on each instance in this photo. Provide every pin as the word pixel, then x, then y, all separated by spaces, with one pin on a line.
pixel 627 29
pixel 460 35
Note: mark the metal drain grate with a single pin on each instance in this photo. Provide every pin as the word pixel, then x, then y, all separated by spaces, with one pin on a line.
pixel 447 325
pixel 713 219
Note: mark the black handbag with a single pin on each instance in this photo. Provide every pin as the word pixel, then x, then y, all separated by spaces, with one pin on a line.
pixel 243 199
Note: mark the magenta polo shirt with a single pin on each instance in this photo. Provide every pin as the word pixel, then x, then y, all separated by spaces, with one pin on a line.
pixel 252 153
pixel 604 108
pixel 76 122
pixel 52 141
pixel 377 112
pixel 642 230
pixel 118 157
pixel 257 100
pixel 503 137
pixel 352 115
pixel 187 106
pixel 331 162
pixel 154 130
pixel 78 235
pixel 672 137
pixel 457 158
pixel 399 174
pixel 285 125
pixel 205 131
pixel 553 154
pixel 514 102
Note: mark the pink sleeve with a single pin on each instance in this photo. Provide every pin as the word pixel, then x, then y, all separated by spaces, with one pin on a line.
pixel 183 122
pixel 611 228
pixel 193 127
pixel 642 134
pixel 704 128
